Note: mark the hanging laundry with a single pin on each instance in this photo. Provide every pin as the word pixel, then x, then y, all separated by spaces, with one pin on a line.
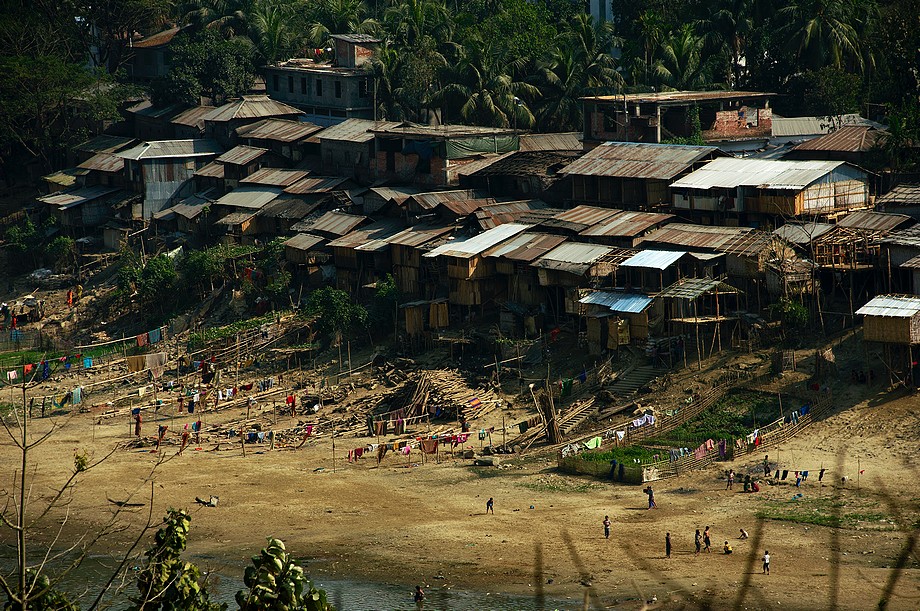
pixel 247 386
pixel 523 426
pixel 142 340
pixel 406 450
pixel 583 376
pixel 621 435
pixel 474 403
pixel 28 369
pixel 136 363
pixel 12 375
pixel 429 446
pixel 154 335
pixel 594 442
pixel 482 434
pixel 156 363
pixel 566 387
pixel 77 394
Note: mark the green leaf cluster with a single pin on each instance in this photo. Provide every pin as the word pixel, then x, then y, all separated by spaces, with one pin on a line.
pixel 337 312
pixel 276 582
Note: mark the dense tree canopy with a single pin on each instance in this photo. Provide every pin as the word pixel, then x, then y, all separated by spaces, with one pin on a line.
pixel 491 62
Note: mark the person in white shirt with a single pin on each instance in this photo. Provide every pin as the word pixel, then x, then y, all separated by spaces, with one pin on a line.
pixel 766 562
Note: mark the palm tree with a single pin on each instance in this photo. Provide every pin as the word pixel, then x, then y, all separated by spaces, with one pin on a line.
pixel 652 31
pixel 271 31
pixel 681 65
pixel 580 64
pixel 230 17
pixel 827 32
pixel 480 84
pixel 341 17
pixel 728 27
pixel 410 22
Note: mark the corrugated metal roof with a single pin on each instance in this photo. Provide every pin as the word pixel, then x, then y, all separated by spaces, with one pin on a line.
pixel 896 306
pixel 638 160
pixel 394 194
pixel 787 127
pixel 316 184
pixel 304 241
pixel 509 212
pixel 235 218
pixel 463 207
pixel 337 223
pixel 374 237
pixel 627 224
pixel 442 132
pixel 847 139
pixel 279 130
pixel 192 206
pixel 905 194
pixel 544 164
pixel 192 117
pixel 691 288
pixel 66 177
pixel 913 263
pixel 572 257
pixel 290 208
pixel 905 237
pixel 158 39
pixel 694 237
pixel 560 141
pixel 470 247
pixel 357 39
pixel 526 247
pixel 215 169
pixel 249 197
pixel 680 98
pixel 417 235
pixel 477 165
pixel 276 177
pixel 251 107
pixel 157 112
pixel 161 149
pixel 432 199
pixel 654 259
pixel 242 155
pixel 69 199
pixel 802 233
pixel 581 217
pixel 874 221
pixel 104 162
pixel 730 172
pixel 354 130
pixel 618 302
pixel 105 144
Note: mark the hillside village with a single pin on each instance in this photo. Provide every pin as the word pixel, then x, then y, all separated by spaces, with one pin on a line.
pixel 568 310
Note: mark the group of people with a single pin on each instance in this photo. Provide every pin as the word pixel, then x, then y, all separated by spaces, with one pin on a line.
pixel 750 484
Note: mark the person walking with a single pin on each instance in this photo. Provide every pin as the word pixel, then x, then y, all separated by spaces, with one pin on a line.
pixel 490 506
pixel 766 562
pixel 698 540
pixel 667 545
pixel 606 527
pixel 419 598
pixel 707 541
pixel 651 497
pixel 731 479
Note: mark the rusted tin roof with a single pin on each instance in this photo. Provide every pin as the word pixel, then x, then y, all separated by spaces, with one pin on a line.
pixel 904 194
pixel 847 139
pixel 316 184
pixel 290 208
pixel 235 218
pixel 702 237
pixel 253 197
pixel 279 130
pixel 691 288
pixel 463 207
pixel 251 107
pixel 354 130
pixel 627 224
pixel 417 235
pixel 164 149
pixel 580 218
pixel 526 247
pixel 430 200
pixel 156 40
pixel 530 163
pixel 104 162
pixel 866 220
pixel 802 233
pixel 680 98
pixel 372 238
pixel 337 223
pixel 560 141
pixel 105 144
pixel 638 160
pixel 192 117
pixel 572 257
pixel 76 197
pixel 275 177
pixel 214 169
pixel 242 155
pixel 527 212
pixel 304 241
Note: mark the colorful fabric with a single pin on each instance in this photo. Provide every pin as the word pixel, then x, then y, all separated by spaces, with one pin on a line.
pixel 154 336
pixel 142 340
pixel 87 363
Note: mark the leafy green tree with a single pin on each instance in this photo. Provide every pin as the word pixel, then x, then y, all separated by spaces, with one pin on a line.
pixel 61 253
pixel 106 26
pixel 681 65
pixel 272 30
pixel 205 64
pixel 415 23
pixel 166 582
pixel 276 582
pixel 899 146
pixel 340 17
pixel 831 92
pixel 24 240
pixel 382 312
pixel 580 65
pixel 480 84
pixel 522 29
pixel 336 310
pixel 729 25
pixel 828 32
pixel 228 17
